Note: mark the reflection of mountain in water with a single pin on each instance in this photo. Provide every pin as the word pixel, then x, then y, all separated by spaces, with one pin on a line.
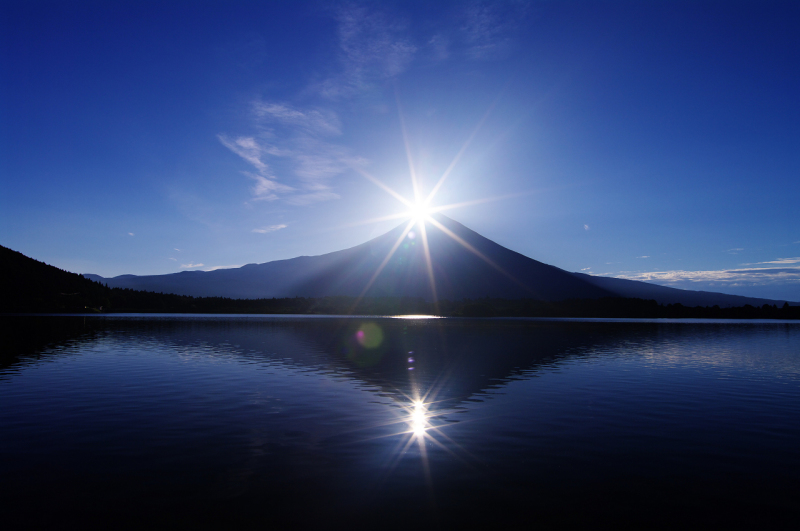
pixel 448 359
pixel 215 455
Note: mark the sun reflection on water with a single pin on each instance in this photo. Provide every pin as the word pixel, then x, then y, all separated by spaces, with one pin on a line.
pixel 419 419
pixel 422 415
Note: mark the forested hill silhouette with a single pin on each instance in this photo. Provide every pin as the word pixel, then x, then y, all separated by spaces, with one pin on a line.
pixel 458 274
pixel 28 285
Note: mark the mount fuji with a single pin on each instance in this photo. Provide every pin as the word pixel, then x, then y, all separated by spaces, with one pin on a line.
pixel 463 265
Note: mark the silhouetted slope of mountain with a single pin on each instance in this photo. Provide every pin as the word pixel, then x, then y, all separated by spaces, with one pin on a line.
pixel 29 285
pixel 665 295
pixel 458 273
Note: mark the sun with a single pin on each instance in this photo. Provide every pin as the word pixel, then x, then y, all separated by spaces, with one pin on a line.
pixel 419 419
pixel 419 212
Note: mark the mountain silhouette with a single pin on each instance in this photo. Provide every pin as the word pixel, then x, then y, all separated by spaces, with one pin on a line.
pixel 458 272
pixel 464 265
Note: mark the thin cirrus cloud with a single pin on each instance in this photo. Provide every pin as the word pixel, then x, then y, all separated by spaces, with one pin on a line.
pixel 191 265
pixel 372 47
pixel 313 121
pixel 269 228
pixel 266 187
pixel 779 261
pixel 488 28
pixel 741 276
pixel 294 155
pixel 298 140
pixel 375 46
pixel 222 267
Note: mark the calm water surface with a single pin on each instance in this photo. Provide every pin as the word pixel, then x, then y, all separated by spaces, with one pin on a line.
pixel 258 422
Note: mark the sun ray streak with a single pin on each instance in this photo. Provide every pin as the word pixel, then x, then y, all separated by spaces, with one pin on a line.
pixel 476 252
pixel 399 215
pixel 390 466
pixel 426 467
pixel 444 447
pixel 383 264
pixel 429 264
pixel 391 192
pixel 465 458
pixel 461 152
pixel 451 206
pixel 413 173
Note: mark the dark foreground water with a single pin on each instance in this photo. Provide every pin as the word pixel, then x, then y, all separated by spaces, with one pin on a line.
pixel 276 422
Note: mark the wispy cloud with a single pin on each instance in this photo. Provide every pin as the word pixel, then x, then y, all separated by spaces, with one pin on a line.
pixel 313 121
pixel 247 148
pixel 267 189
pixel 439 47
pixel 270 228
pixel 174 259
pixel 293 149
pixel 130 234
pixel 747 276
pixel 222 267
pixel 251 150
pixel 191 265
pixel 312 197
pixel 373 47
pixel 779 261
pixel 645 256
pixel 489 27
pixel 299 142
pixel 586 269
pixel 586 227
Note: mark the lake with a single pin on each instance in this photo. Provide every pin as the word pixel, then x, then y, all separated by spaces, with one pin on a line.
pixel 292 421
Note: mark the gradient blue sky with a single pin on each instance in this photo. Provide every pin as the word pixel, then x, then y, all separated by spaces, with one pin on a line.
pixel 649 140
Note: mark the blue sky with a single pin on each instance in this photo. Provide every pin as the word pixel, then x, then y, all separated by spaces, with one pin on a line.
pixel 650 140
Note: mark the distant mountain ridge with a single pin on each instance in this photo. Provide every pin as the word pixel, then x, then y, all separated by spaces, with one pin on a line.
pixel 666 295
pixel 459 273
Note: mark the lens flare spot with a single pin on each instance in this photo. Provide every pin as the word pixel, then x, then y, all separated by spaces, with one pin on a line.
pixel 369 335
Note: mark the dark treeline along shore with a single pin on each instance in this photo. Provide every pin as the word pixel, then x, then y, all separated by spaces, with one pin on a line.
pixel 30 286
